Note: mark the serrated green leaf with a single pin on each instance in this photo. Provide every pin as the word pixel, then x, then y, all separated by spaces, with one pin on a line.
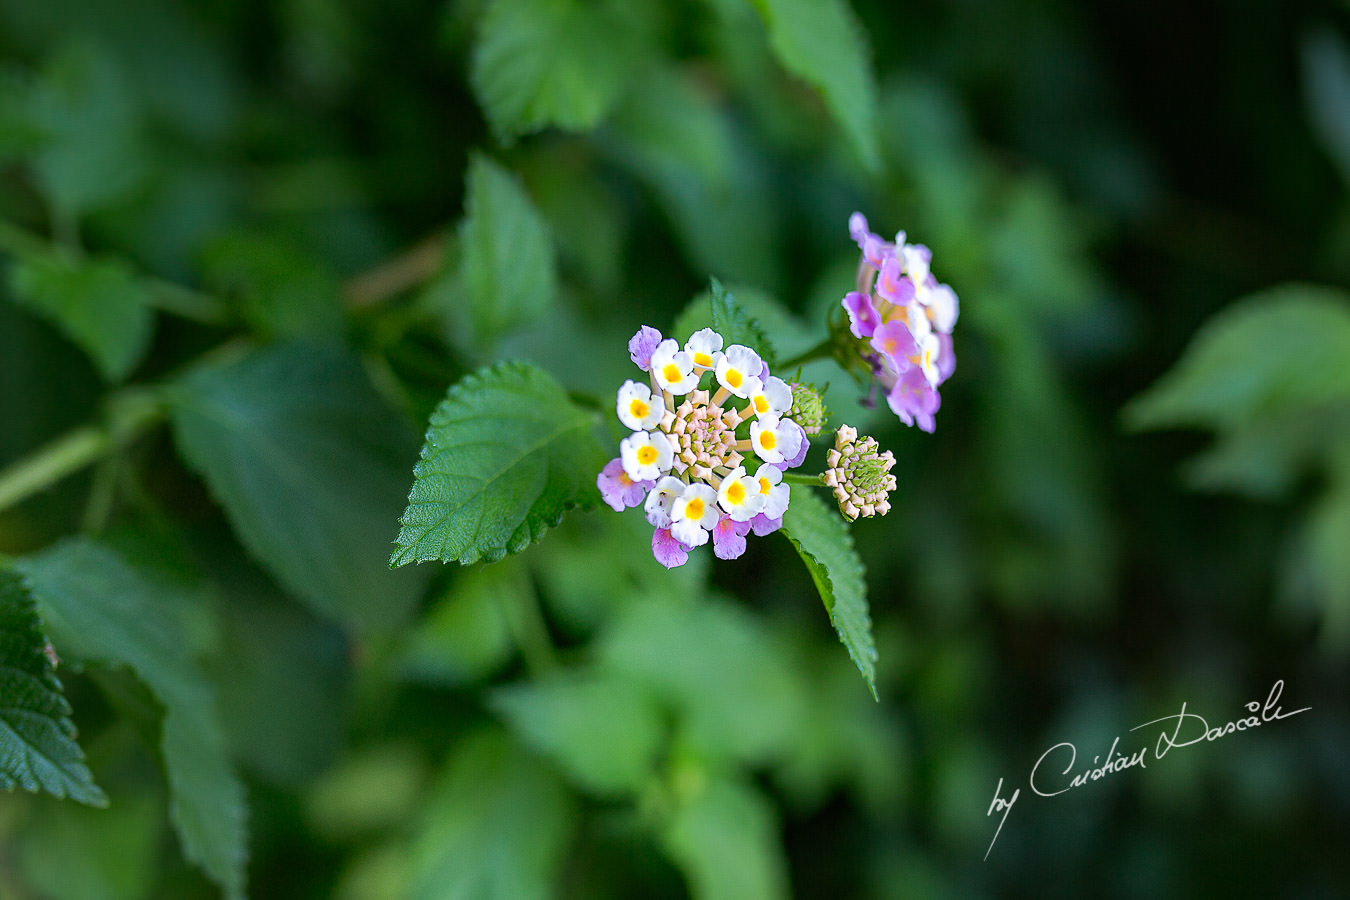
pixel 735 325
pixel 554 62
pixel 506 454
pixel 736 692
pixel 725 840
pixel 37 739
pixel 1288 346
pixel 306 460
pixel 506 254
pixel 98 304
pixel 822 539
pixel 497 826
pixel 786 331
pixel 822 42
pixel 604 731
pixel 102 610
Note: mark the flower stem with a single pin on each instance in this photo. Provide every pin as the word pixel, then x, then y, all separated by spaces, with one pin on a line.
pixel 820 351
pixel 808 480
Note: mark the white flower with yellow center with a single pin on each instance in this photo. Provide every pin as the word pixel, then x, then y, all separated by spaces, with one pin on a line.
pixel 916 267
pixel 773 399
pixel 661 499
pixel 693 514
pixel 929 348
pixel 738 371
pixel 646 455
pixel 739 496
pixel 673 368
pixel 705 347
pixel 942 308
pixel 773 439
pixel 638 408
pixel 769 481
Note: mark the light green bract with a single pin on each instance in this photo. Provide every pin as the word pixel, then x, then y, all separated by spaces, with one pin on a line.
pixel 506 454
pixel 37 740
pixel 826 547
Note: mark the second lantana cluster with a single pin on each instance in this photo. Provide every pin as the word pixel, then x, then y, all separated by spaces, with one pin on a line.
pixel 712 436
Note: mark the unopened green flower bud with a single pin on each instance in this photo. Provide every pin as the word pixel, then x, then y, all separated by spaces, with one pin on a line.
pixel 859 475
pixel 808 408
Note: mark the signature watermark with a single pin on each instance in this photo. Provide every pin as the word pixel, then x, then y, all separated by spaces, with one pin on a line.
pixel 1051 776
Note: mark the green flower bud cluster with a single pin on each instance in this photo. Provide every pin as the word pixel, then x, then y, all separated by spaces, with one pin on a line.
pixel 808 408
pixel 861 477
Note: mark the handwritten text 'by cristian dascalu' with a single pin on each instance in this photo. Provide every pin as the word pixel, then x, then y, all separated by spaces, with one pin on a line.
pixel 1050 776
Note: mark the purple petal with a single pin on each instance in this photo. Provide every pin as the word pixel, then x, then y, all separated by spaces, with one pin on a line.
pixel 876 251
pixel 762 525
pixel 896 344
pixel 728 538
pixel 857 228
pixel 893 285
pixel 797 459
pixel 914 400
pixel 618 490
pixel 946 357
pixel 641 345
pixel 668 551
pixel 863 318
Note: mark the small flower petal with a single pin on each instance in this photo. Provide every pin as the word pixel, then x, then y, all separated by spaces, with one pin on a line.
pixel 705 348
pixel 668 551
pixel 728 537
pixel 617 489
pixel 641 345
pixel 863 318
pixel 638 408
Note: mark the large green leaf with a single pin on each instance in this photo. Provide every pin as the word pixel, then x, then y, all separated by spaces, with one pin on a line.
pixel 554 62
pixel 102 610
pixel 603 730
pixel 822 42
pixel 506 254
pixel 308 463
pixel 497 827
pixel 822 539
pixel 37 738
pixel 506 454
pixel 100 305
pixel 1288 346
pixel 725 840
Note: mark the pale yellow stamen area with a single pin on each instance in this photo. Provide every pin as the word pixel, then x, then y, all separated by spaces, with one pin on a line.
pixel 625 480
pixel 761 404
pixel 736 493
pixel 672 372
pixel 694 509
pixel 639 409
pixel 767 440
pixel 734 378
pixel 764 486
pixel 702 359
pixel 646 455
pixel 890 344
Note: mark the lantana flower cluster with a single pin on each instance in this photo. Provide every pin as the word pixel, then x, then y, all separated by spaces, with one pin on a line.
pixel 712 435
pixel 903 318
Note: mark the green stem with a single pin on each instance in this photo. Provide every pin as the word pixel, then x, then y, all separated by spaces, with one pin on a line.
pixel 808 480
pixel 820 351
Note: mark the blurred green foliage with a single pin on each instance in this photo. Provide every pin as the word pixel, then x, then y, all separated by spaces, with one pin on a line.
pixel 247 247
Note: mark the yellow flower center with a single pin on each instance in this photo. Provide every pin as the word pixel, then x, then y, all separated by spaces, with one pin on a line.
pixel 694 509
pixel 767 440
pixel 672 372
pixel 734 378
pixel 646 455
pixel 736 493
pixel 702 359
pixel 764 486
pixel 761 404
pixel 639 408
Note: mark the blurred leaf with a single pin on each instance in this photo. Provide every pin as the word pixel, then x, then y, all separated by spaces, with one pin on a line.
pixel 726 842
pixel 1264 458
pixel 466 635
pixel 555 62
pixel 1283 348
pixel 307 462
pixel 94 154
pixel 674 136
pixel 282 292
pixel 373 792
pixel 1317 571
pixel 603 731
pixel 102 610
pixel 507 453
pixel 37 738
pixel 821 537
pixel 1326 87
pixel 20 132
pixel 497 827
pixel 98 304
pixel 736 326
pixel 737 693
pixel 822 42
pixel 507 260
